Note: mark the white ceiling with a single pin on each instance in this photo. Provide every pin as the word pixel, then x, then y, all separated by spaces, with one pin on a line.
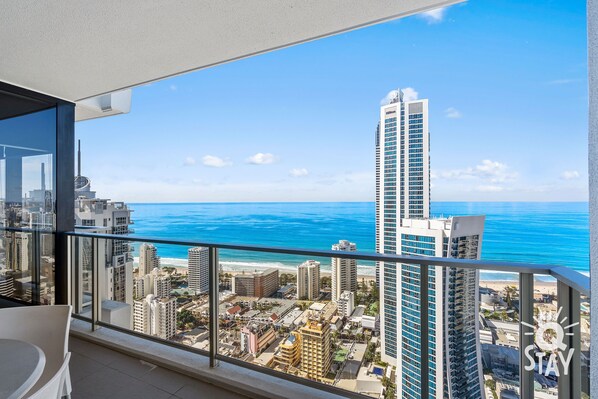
pixel 76 49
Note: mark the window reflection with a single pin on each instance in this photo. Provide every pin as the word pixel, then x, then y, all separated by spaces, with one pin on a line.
pixel 27 201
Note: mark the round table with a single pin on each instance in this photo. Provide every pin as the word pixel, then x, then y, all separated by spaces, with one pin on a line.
pixel 21 365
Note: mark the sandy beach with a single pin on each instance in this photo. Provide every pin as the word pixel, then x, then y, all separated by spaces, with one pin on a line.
pixel 543 287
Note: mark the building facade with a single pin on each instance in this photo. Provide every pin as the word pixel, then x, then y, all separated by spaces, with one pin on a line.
pixel 402 175
pixel 105 216
pixel 308 280
pixel 142 286
pixel 259 284
pixel 316 350
pixel 153 283
pixel 199 269
pixel 255 337
pixel 162 285
pixel 403 227
pixel 155 316
pixel 344 271
pixel 454 349
pixel 288 354
pixel 346 304
pixel 148 258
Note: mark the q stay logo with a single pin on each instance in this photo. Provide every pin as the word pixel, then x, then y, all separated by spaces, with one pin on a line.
pixel 549 336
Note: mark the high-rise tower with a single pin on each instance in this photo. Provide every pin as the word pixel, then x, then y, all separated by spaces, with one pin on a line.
pixel 106 216
pixel 199 269
pixel 308 280
pixel 402 191
pixel 148 258
pixel 344 271
pixel 453 344
pixel 403 226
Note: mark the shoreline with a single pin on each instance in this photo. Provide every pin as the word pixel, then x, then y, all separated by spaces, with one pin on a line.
pixel 487 280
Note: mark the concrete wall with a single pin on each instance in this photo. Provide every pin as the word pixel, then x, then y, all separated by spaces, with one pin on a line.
pixel 593 181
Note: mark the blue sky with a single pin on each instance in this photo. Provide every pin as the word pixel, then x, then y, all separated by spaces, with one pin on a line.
pixel 506 83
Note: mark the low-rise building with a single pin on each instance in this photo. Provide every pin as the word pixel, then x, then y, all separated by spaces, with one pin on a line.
pixel 336 323
pixel 255 337
pixel 292 319
pixel 370 322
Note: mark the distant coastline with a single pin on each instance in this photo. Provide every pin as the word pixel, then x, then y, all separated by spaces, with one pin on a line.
pixel 551 233
pixel 363 272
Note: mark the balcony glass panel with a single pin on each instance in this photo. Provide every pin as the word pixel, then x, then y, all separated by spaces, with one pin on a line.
pixel 27 193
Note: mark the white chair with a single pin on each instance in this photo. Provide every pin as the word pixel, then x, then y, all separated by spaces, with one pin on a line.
pixel 53 388
pixel 48 328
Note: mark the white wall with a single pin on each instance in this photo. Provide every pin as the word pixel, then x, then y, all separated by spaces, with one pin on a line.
pixel 593 181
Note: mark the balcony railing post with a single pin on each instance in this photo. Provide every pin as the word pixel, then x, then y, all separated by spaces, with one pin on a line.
pixel 95 302
pixel 75 272
pixel 36 266
pixel 569 381
pixel 424 326
pixel 526 319
pixel 213 300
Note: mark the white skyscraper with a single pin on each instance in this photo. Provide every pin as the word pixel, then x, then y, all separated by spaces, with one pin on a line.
pixel 148 258
pixel 142 286
pixel 153 283
pixel 162 285
pixel 154 316
pixel 199 269
pixel 403 227
pixel 344 271
pixel 453 307
pixel 308 280
pixel 105 216
pixel 402 191
pixel 346 303
pixel 403 162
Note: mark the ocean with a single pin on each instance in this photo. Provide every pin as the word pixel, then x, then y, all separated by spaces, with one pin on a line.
pixel 530 232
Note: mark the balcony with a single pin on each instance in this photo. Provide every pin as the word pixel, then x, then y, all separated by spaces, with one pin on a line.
pixel 217 359
pixel 62 265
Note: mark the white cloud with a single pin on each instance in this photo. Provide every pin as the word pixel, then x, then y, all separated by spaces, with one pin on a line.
pixel 495 171
pixel 569 175
pixel 434 16
pixel 409 94
pixel 298 172
pixel 349 186
pixel 488 171
pixel 262 159
pixel 172 88
pixel 562 81
pixel 488 188
pixel 452 113
pixel 189 161
pixel 215 162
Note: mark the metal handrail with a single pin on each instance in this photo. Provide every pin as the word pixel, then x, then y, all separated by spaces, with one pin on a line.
pixel 567 275
pixel 570 285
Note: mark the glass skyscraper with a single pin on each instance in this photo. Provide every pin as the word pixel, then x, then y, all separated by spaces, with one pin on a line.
pixel 402 191
pixel 403 226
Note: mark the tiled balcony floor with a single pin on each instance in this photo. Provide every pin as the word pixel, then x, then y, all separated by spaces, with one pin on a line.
pixel 98 373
